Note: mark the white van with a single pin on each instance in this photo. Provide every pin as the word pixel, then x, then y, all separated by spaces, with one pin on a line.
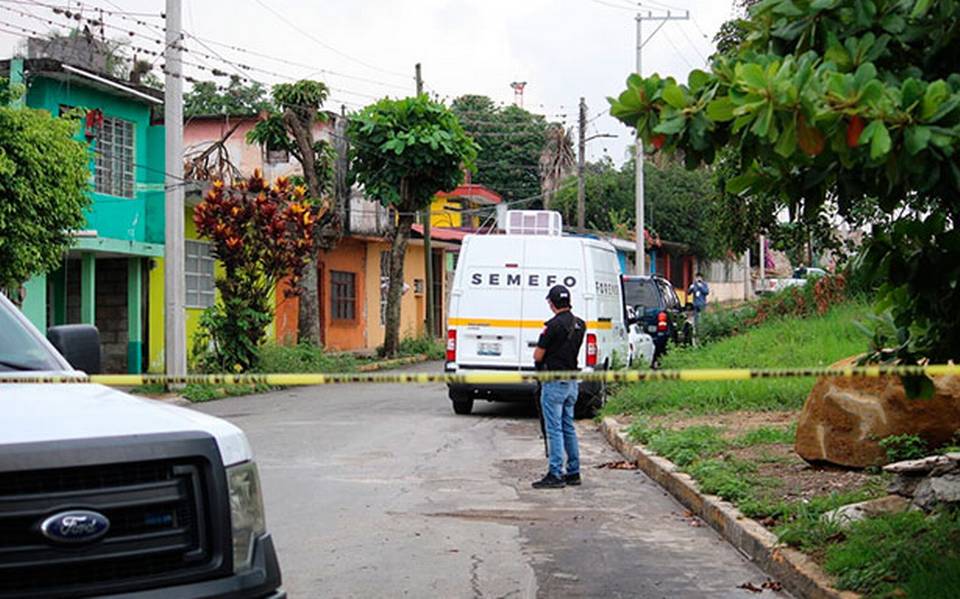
pixel 498 307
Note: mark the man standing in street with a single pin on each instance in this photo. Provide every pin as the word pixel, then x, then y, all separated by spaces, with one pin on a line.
pixel 557 350
pixel 699 290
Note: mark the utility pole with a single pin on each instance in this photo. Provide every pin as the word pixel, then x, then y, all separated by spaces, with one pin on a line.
pixel 175 344
pixel 641 259
pixel 581 159
pixel 427 249
pixel 581 164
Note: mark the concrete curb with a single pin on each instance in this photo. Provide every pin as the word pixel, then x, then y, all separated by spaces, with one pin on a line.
pixel 798 574
pixel 384 364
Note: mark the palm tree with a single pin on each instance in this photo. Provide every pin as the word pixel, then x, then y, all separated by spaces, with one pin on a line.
pixel 556 161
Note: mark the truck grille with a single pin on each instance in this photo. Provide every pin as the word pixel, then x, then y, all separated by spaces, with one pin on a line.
pixel 160 532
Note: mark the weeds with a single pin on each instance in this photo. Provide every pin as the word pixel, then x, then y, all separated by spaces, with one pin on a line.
pixel 904 447
pixel 906 554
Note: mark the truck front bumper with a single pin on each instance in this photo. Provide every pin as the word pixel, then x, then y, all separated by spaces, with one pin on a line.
pixel 261 581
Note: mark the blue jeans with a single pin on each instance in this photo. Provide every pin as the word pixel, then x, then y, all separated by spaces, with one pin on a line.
pixel 557 400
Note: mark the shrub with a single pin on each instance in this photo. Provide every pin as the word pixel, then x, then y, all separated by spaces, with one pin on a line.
pixel 260 233
pixel 904 447
pixel 412 346
pixel 302 358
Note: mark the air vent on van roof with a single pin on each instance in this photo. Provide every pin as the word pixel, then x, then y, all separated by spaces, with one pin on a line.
pixel 534 222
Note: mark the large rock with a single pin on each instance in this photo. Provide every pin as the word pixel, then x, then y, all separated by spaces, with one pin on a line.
pixel 844 419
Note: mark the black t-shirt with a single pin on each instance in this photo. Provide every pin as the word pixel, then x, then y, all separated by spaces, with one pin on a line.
pixel 561 339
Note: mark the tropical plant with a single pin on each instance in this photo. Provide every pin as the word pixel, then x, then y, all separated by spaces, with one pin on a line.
pixel 44 177
pixel 828 105
pixel 290 127
pixel 556 161
pixel 260 233
pixel 403 152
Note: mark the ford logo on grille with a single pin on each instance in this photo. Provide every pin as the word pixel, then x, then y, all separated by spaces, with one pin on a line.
pixel 75 526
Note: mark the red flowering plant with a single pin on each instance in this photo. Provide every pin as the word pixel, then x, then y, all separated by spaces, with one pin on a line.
pixel 260 233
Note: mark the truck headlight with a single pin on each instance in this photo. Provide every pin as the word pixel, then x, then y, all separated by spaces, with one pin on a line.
pixel 246 511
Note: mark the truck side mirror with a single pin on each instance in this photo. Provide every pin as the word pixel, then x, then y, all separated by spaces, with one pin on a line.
pixel 79 344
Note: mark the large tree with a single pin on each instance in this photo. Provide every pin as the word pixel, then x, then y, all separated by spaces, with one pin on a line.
pixel 512 142
pixel 403 152
pixel 680 203
pixel 44 176
pixel 289 126
pixel 206 98
pixel 828 106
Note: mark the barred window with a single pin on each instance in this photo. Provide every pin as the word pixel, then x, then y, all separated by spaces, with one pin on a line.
pixel 343 295
pixel 113 171
pixel 198 270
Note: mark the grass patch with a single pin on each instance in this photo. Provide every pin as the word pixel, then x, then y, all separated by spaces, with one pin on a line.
pixel 732 479
pixel 303 358
pixel 767 435
pixel 682 447
pixel 909 552
pixel 786 342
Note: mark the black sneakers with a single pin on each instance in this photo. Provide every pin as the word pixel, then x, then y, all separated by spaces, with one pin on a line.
pixel 549 482
pixel 572 480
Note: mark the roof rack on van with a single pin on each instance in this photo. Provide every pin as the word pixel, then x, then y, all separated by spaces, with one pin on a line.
pixel 534 222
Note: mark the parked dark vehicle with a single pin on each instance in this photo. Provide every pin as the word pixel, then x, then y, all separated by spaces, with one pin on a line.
pixel 658 310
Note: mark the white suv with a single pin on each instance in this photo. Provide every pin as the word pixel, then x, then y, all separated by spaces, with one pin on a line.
pixel 105 494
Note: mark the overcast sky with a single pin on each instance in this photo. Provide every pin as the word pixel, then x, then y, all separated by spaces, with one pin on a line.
pixel 563 49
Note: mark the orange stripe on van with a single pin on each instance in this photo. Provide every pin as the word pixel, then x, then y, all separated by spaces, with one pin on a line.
pixel 517 324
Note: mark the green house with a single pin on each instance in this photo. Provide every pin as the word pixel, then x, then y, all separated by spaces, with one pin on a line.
pixel 105 277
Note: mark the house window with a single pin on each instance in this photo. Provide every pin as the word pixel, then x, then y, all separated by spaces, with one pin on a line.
pixel 199 275
pixel 343 295
pixel 113 172
pixel 384 285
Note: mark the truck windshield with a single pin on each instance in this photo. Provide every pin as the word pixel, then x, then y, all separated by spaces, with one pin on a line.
pixel 641 292
pixel 19 349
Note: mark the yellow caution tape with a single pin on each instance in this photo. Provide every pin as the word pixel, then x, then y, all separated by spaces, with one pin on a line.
pixel 487 378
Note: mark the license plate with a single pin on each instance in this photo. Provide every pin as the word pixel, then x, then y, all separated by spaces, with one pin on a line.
pixel 489 349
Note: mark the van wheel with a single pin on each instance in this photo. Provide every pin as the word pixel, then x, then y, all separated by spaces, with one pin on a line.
pixel 588 405
pixel 463 406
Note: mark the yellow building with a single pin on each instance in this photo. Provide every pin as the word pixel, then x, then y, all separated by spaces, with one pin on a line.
pixel 466 207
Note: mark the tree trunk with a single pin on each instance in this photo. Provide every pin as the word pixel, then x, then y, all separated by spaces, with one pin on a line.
pixel 308 318
pixel 398 249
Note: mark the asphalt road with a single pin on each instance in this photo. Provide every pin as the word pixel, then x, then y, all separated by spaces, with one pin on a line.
pixel 381 491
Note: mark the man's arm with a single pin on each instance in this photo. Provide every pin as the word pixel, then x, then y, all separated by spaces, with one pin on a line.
pixel 538 354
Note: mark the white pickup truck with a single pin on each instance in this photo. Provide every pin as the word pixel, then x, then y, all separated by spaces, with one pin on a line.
pixel 108 495
pixel 800 277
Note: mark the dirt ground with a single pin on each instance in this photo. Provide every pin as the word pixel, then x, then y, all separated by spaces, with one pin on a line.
pixel 795 478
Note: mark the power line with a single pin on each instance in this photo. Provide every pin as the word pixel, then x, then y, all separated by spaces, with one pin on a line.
pixel 319 42
pixel 692 45
pixel 612 5
pixel 679 52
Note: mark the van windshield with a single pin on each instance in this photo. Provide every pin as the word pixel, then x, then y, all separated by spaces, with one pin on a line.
pixel 19 349
pixel 641 292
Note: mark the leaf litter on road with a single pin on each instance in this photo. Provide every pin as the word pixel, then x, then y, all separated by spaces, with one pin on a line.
pixel 619 465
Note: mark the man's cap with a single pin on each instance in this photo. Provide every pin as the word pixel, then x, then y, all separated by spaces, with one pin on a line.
pixel 559 295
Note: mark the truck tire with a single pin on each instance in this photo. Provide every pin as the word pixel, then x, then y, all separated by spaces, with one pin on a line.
pixel 462 406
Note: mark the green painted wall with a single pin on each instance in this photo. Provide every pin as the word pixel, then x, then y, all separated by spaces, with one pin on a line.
pixel 111 216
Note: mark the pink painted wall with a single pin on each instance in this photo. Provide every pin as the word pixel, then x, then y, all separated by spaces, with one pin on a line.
pixel 200 132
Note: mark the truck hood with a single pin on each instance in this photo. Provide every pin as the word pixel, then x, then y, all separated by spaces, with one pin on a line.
pixel 31 413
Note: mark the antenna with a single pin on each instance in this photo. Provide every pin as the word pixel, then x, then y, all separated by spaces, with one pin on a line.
pixel 518 92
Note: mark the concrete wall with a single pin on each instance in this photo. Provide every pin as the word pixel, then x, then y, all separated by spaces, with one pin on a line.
pixel 412 305
pixel 349 256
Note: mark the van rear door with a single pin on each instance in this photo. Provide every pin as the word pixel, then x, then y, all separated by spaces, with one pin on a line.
pixel 549 261
pixel 487 311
